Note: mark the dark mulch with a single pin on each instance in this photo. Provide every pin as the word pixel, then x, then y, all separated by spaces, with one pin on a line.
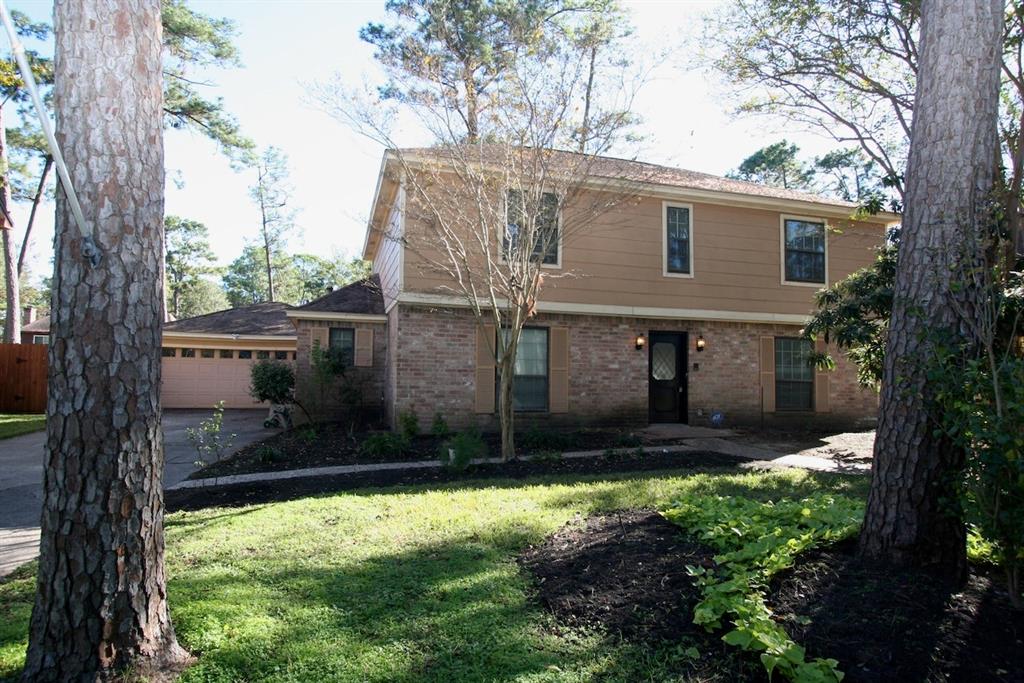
pixel 334 444
pixel 289 489
pixel 625 574
pixel 895 625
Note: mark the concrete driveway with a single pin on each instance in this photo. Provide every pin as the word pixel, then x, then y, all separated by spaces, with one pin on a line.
pixel 21 474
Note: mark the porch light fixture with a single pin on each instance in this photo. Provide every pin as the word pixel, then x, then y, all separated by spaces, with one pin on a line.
pixel 701 343
pixel 641 341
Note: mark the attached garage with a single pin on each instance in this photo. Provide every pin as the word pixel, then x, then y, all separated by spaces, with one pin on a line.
pixel 208 358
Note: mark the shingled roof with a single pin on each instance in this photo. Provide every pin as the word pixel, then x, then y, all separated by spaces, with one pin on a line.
pixel 620 169
pixel 363 297
pixel 266 319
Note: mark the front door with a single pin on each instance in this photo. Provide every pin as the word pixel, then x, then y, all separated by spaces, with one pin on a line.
pixel 667 377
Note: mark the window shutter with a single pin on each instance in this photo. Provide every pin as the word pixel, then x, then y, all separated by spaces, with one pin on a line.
pixel 768 374
pixel 558 375
pixel 821 383
pixel 364 348
pixel 318 336
pixel 485 340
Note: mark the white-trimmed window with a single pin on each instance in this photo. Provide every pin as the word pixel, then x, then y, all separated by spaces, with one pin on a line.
pixel 677 243
pixel 40 339
pixel 547 243
pixel 804 251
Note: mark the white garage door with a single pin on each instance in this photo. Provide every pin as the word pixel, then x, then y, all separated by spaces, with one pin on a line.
pixel 202 382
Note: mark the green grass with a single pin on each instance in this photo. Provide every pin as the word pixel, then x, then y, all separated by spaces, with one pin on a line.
pixel 408 584
pixel 13 425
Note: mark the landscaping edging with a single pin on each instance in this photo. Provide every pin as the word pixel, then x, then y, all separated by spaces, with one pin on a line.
pixel 253 477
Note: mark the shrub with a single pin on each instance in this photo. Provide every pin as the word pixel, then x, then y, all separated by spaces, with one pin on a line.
pixel 627 440
pixel 457 452
pixel 272 381
pixel 207 439
pixel 268 454
pixel 408 425
pixel 383 445
pixel 536 439
pixel 439 427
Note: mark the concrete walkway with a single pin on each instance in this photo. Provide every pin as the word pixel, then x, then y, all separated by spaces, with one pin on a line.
pixel 21 474
pixel 759 457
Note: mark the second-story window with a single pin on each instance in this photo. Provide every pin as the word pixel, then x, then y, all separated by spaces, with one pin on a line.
pixel 678 246
pixel 804 246
pixel 518 212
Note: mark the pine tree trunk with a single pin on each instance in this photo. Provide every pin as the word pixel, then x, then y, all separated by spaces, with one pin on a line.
pixel 101 601
pixel 912 515
pixel 12 286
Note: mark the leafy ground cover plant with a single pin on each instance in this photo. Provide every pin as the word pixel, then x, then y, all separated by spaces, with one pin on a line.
pixel 458 452
pixel 757 540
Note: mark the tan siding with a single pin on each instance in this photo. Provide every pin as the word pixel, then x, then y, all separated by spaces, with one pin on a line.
pixel 737 263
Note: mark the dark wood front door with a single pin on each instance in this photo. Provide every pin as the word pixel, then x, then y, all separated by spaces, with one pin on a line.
pixel 667 376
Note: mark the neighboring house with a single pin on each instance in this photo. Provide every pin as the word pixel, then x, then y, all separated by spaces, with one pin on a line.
pixel 35 328
pixel 207 359
pixel 694 308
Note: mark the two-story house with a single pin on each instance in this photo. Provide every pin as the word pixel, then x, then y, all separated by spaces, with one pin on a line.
pixel 686 302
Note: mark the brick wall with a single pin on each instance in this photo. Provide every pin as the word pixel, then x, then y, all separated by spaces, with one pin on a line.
pixel 434 363
pixel 370 380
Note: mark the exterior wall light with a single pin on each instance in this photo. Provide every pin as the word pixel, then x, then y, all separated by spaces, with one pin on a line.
pixel 701 343
pixel 641 341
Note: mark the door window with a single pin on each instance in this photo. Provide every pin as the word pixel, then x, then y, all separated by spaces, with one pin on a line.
pixel 663 361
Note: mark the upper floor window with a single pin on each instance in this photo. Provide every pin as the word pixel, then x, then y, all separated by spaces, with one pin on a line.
pixel 546 235
pixel 342 340
pixel 678 240
pixel 804 251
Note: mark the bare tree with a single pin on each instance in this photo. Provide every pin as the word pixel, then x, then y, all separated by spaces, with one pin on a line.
pixel 912 516
pixel 489 218
pixel 101 600
pixel 271 194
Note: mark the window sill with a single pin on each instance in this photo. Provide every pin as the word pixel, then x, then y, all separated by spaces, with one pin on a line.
pixel 817 285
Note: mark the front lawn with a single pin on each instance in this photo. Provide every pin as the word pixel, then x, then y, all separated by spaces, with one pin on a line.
pixel 411 584
pixel 14 425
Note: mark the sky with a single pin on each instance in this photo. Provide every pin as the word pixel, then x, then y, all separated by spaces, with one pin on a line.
pixel 288 46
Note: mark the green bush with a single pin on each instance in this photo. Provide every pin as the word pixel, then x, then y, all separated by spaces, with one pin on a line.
pixel 456 453
pixel 439 427
pixel 272 381
pixel 534 438
pixel 268 454
pixel 384 445
pixel 756 541
pixel 408 425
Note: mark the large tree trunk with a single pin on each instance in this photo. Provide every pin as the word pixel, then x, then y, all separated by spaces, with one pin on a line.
pixel 506 410
pixel 101 602
pixel 912 515
pixel 12 286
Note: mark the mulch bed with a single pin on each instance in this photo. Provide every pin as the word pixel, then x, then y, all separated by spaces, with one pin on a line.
pixel 333 444
pixel 624 574
pixel 289 489
pixel 890 625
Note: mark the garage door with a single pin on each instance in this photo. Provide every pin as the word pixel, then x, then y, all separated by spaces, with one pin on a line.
pixel 202 382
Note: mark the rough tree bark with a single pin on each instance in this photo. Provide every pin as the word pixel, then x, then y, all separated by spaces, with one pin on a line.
pixel 101 602
pixel 12 286
pixel 912 515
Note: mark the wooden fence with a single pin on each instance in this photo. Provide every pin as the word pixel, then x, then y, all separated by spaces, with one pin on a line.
pixel 23 378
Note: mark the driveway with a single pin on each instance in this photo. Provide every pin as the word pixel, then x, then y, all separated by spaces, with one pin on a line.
pixel 21 474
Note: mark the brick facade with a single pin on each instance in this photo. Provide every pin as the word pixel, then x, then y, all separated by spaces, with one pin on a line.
pixel 432 370
pixel 371 381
